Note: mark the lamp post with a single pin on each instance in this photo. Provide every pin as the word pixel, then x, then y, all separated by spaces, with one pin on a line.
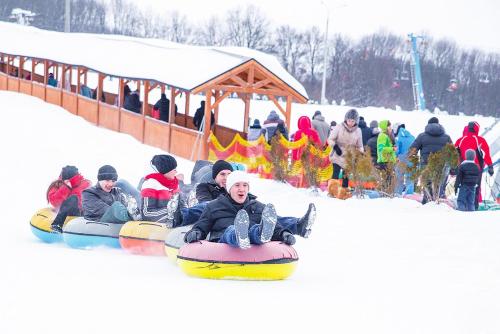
pixel 325 53
pixel 325 50
pixel 67 16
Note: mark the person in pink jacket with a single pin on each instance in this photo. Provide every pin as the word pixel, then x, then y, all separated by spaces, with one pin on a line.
pixel 305 129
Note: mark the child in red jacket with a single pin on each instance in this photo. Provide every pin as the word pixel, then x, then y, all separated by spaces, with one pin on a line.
pixel 65 195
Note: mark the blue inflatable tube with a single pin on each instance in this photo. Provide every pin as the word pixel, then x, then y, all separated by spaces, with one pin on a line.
pixel 82 233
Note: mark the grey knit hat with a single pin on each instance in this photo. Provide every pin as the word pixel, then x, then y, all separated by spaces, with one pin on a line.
pixel 470 154
pixel 352 114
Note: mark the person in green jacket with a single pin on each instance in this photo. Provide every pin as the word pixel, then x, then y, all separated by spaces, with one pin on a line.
pixel 385 144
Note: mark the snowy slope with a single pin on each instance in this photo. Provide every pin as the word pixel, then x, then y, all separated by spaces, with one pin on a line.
pixel 370 266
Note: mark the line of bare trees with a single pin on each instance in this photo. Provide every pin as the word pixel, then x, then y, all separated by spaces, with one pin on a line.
pixel 371 71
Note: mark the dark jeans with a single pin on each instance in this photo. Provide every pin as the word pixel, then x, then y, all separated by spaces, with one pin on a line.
pixel 229 236
pixel 68 208
pixel 466 198
pixel 336 174
pixel 192 214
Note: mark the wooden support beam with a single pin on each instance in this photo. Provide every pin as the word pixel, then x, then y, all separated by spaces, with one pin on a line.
pixel 215 106
pixel 288 113
pixel 21 67
pixel 33 65
pixel 239 81
pixel 162 88
pixel 186 109
pixel 145 108
pixel 121 92
pixel 219 98
pixel 153 86
pixel 247 114
pixel 283 111
pixel 78 84
pixel 206 126
pixel 171 112
pixel 251 75
pixel 261 83
pixel 100 87
pixel 250 90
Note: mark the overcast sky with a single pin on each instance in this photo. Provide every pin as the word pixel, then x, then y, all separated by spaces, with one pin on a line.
pixel 471 23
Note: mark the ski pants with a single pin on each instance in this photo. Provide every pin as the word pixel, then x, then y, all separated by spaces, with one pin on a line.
pixel 68 208
pixel 466 198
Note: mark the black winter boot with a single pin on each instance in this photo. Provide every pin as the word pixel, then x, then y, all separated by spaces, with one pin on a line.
pixel 306 222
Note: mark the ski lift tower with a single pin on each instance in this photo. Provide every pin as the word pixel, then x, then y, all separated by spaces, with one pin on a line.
pixel 416 75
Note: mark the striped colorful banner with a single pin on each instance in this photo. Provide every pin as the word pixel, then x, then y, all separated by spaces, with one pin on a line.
pixel 256 156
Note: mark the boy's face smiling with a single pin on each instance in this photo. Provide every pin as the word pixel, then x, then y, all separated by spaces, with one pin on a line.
pixel 239 192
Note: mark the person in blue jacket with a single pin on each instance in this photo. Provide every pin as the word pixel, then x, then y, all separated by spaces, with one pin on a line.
pixel 404 139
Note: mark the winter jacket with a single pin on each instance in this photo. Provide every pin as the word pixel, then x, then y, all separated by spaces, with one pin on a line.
pixel 57 194
pixel 271 126
pixel 468 174
pixel 163 105
pixel 96 201
pixel 254 132
pixel 470 140
pixel 432 140
pixel 198 117
pixel 156 191
pixel 219 214
pixel 209 191
pixel 52 82
pixel 305 129
pixel 344 137
pixel 366 132
pixel 132 102
pixel 404 140
pixel 85 91
pixel 385 146
pixel 321 127
pixel 372 145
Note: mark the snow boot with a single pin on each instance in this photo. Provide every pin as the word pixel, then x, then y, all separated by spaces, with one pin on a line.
pixel 267 223
pixel 191 199
pixel 172 211
pixel 305 223
pixel 241 225
pixel 56 228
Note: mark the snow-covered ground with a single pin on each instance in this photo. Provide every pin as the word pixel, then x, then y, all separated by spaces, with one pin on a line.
pixel 370 266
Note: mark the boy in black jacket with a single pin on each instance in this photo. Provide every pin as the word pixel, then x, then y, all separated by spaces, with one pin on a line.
pixel 467 181
pixel 238 219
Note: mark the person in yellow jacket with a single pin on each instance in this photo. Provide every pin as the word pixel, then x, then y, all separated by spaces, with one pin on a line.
pixel 385 144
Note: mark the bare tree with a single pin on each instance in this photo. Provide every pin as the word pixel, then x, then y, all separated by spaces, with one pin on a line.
pixel 248 28
pixel 210 33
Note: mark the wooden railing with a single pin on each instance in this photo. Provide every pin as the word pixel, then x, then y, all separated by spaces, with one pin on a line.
pixel 181 138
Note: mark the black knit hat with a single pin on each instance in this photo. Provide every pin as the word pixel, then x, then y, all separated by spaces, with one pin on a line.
pixel 164 163
pixel 68 172
pixel 219 166
pixel 433 120
pixel 107 172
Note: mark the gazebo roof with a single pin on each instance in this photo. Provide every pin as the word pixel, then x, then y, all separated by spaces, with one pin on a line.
pixel 181 66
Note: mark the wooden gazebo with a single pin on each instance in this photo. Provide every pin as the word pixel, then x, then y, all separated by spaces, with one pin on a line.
pixel 217 73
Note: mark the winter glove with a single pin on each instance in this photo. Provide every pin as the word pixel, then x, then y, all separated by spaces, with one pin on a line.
pixel 337 149
pixel 453 171
pixel 491 170
pixel 192 236
pixel 287 238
